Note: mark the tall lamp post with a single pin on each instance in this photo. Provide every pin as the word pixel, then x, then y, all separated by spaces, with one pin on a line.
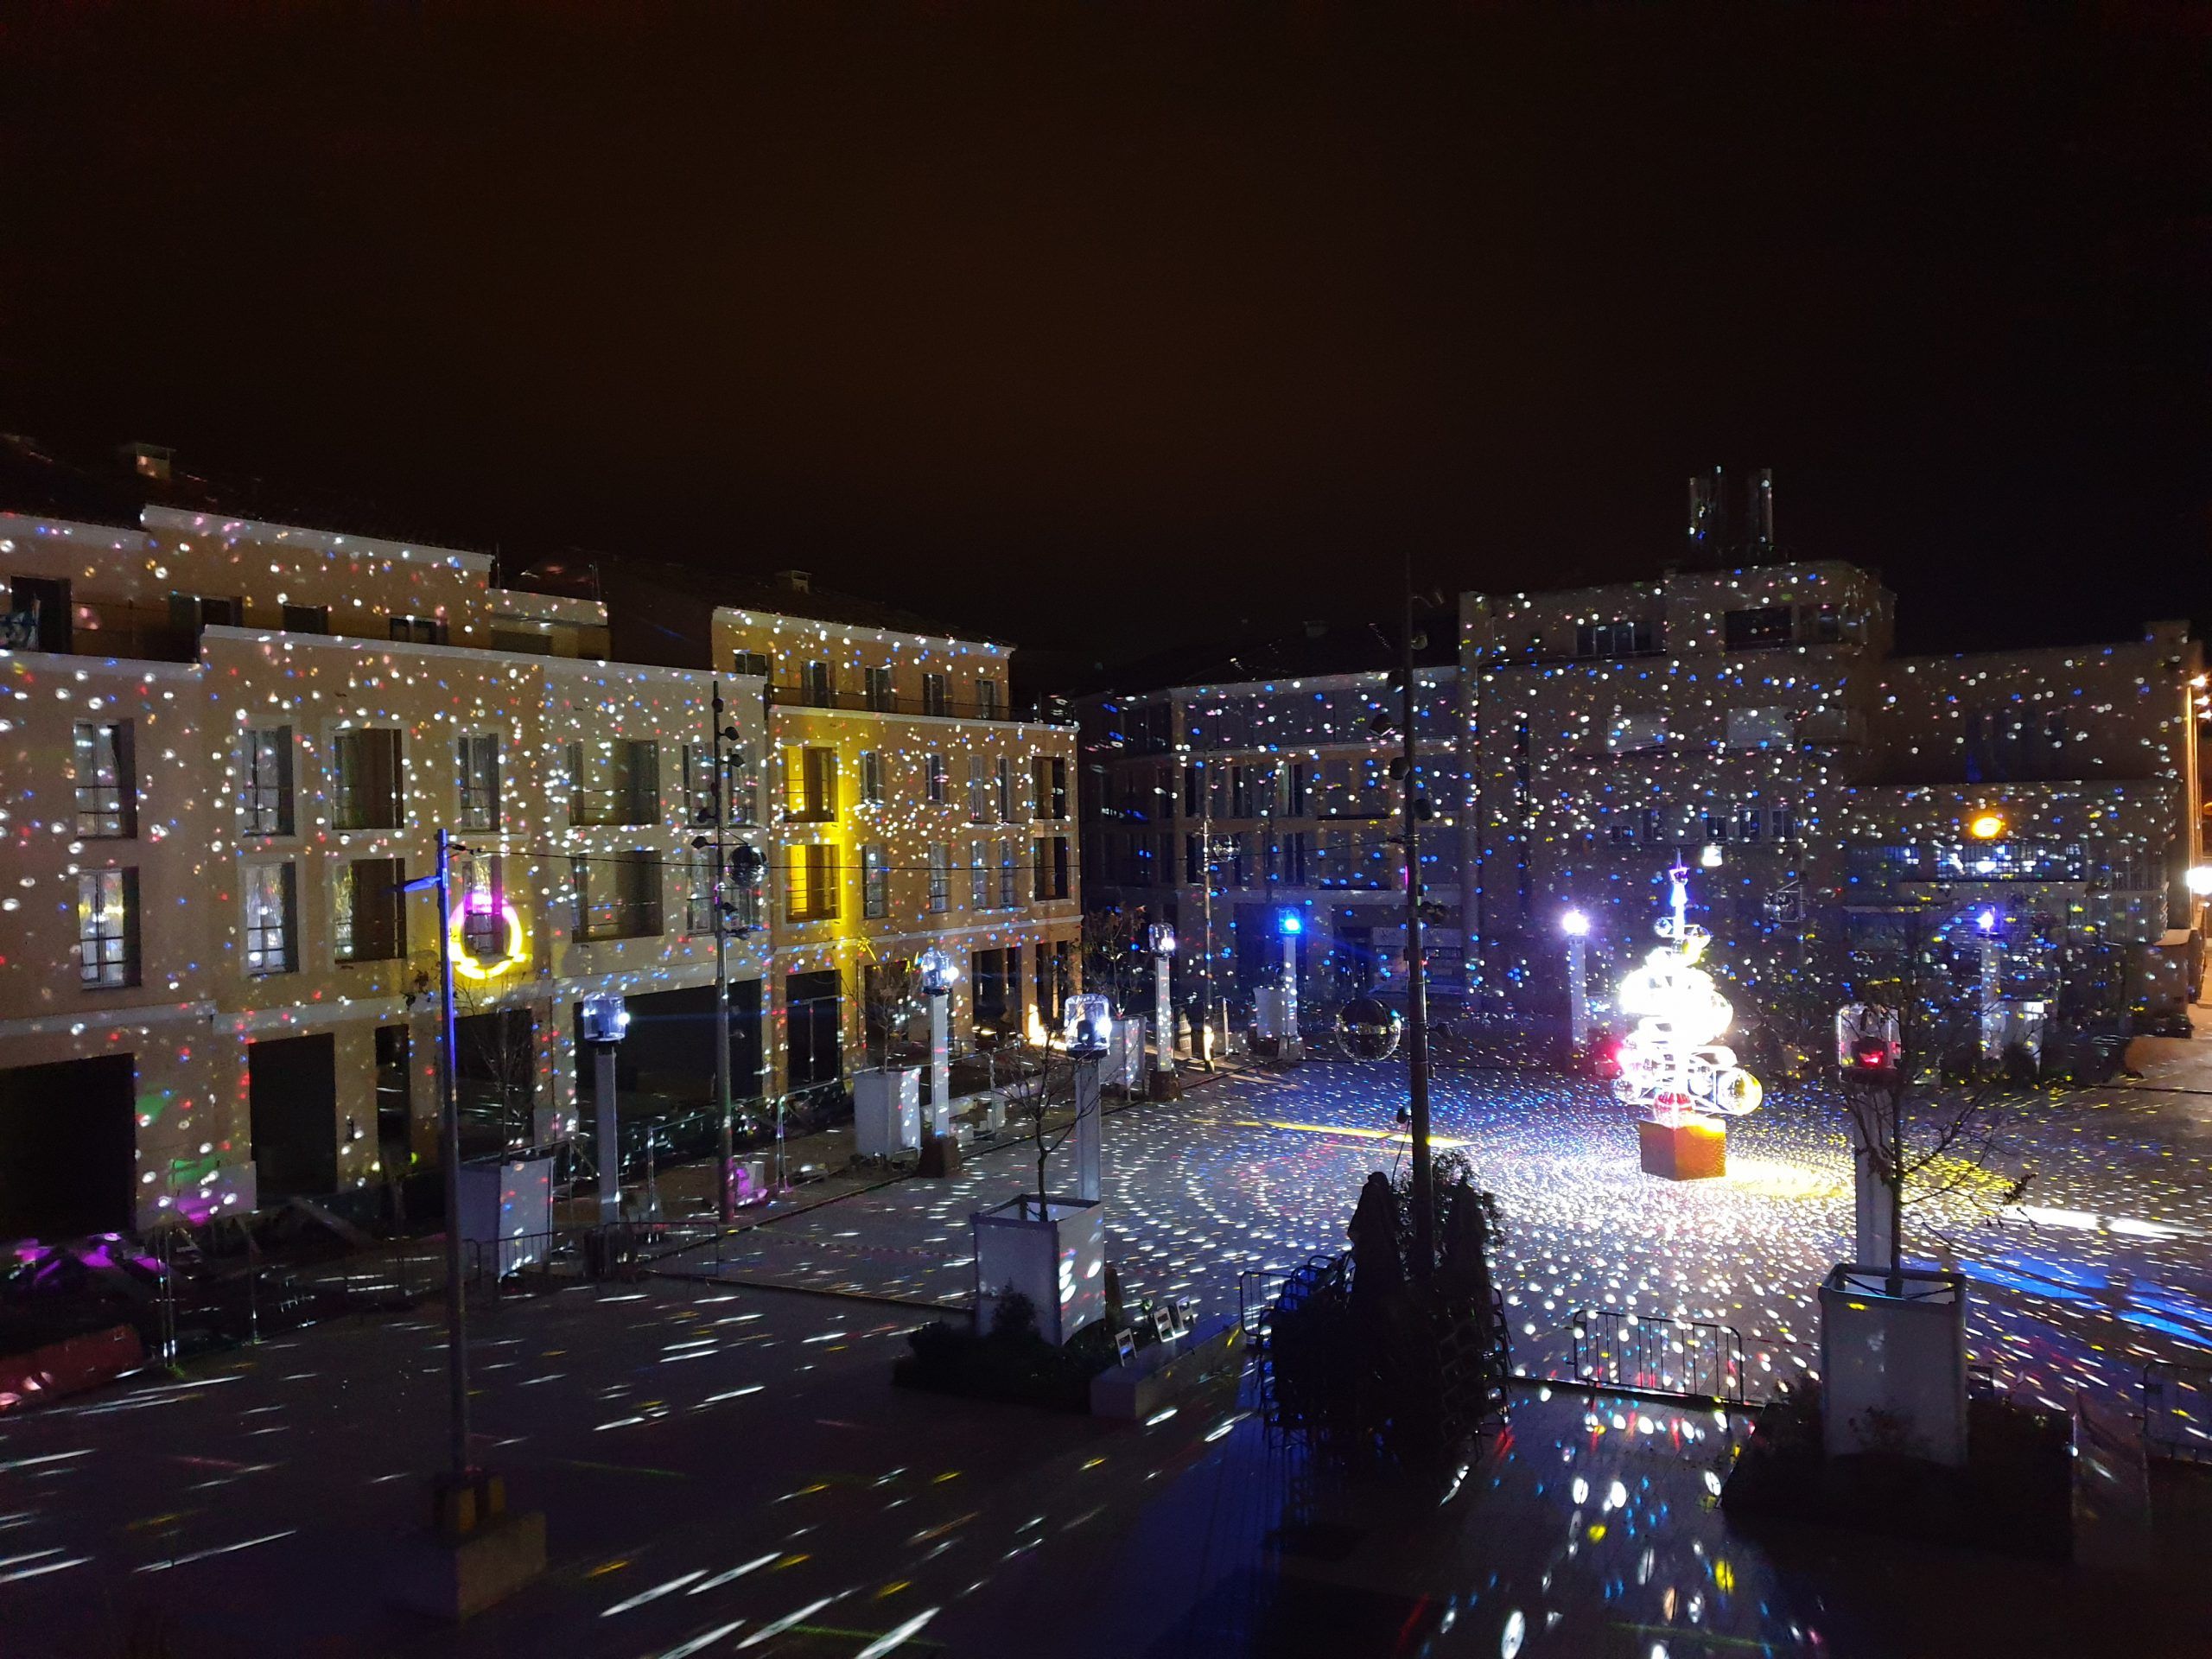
pixel 939 972
pixel 1576 925
pixel 1161 938
pixel 1290 925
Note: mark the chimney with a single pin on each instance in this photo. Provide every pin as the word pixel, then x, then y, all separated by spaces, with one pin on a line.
pixel 1708 516
pixel 797 581
pixel 1761 540
pixel 147 460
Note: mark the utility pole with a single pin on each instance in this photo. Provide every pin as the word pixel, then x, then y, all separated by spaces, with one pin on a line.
pixel 1416 970
pixel 1202 1039
pixel 449 1156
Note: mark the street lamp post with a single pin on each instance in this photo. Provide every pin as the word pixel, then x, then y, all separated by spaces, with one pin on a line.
pixel 1576 926
pixel 1161 939
pixel 1290 925
pixel 939 972
pixel 606 1022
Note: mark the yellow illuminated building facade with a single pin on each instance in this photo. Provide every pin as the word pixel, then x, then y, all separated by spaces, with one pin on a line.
pixel 230 744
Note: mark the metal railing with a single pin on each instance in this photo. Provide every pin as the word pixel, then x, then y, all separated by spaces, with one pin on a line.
pixel 2177 1411
pixel 1689 1359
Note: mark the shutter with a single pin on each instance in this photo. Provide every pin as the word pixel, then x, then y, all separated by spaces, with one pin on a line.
pixel 644 782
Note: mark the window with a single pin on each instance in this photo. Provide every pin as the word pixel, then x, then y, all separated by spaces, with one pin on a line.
pixel 107 928
pixel 1194 859
pixel 265 791
pixel 979 789
pixel 1039 880
pixel 1747 629
pixel 1293 805
pixel 421 629
pixel 1633 731
pixel 751 663
pixel 1759 728
pixel 820 685
pixel 366 762
pixel 738 778
pixel 1622 831
pixel 479 781
pixel 1005 790
pixel 1748 824
pixel 1784 821
pixel 1062 864
pixel 307 618
pixel 986 698
pixel 879 694
pixel 483 908
pixel 812 874
pixel 934 697
pixel 271 934
pixel 934 777
pixel 1823 625
pixel 1048 868
pixel 940 877
pixel 699 783
pixel 1616 638
pixel 699 894
pixel 368 919
pixel 875 884
pixel 614 783
pixel 1049 780
pixel 1294 859
pixel 871 777
pixel 617 895
pixel 189 613
pixel 107 781
pixel 1240 791
pixel 979 875
pixel 809 785
pixel 1193 783
pixel 1009 878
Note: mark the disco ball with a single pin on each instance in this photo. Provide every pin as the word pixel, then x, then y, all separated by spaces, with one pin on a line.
pixel 1367 1031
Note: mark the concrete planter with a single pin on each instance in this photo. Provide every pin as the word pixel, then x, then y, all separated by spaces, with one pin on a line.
pixel 1057 1259
pixel 887 1111
pixel 1893 1367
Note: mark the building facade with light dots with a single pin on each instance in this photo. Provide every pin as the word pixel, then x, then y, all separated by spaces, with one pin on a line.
pixel 1831 797
pixel 230 742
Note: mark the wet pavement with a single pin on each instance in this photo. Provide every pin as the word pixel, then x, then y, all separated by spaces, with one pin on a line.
pixel 725 1467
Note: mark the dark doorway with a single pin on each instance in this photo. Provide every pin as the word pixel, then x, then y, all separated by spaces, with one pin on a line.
pixel 495 1072
pixel 993 985
pixel 292 1093
pixel 394 1097
pixel 812 1034
pixel 68 1147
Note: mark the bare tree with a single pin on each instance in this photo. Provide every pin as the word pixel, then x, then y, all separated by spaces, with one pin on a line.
pixel 890 997
pixel 1040 1078
pixel 1929 1129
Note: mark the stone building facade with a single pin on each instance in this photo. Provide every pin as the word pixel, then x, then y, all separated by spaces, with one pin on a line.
pixel 1754 724
pixel 228 744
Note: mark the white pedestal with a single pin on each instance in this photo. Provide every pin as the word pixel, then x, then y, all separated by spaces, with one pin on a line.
pixel 1893 1369
pixel 1059 1263
pixel 886 1112
pixel 506 1211
pixel 1089 1129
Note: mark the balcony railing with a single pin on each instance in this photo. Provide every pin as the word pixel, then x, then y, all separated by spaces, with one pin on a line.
pixel 800 697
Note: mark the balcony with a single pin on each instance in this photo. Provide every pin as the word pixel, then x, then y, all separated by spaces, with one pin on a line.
pixel 800 697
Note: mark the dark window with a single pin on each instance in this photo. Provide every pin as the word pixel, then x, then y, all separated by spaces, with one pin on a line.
pixel 1616 638
pixel 935 699
pixel 369 918
pixel 617 895
pixel 48 622
pixel 107 928
pixel 307 618
pixel 367 784
pixel 749 662
pixel 107 781
pixel 622 787
pixel 813 1022
pixel 820 685
pixel 479 760
pixel 420 630
pixel 271 918
pixel 1769 624
pixel 265 792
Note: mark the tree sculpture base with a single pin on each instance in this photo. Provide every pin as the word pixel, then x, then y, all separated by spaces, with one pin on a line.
pixel 1686 1149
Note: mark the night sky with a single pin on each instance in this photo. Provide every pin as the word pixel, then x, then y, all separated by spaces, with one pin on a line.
pixel 1098 325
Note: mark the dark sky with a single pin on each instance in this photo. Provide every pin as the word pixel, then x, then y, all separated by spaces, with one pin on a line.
pixel 1098 325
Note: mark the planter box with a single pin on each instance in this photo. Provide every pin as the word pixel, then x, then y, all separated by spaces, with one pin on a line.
pixel 1695 1149
pixel 1893 1368
pixel 1163 1373
pixel 1057 1261
pixel 886 1112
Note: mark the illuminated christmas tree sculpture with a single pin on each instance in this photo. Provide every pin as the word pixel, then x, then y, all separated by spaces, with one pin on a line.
pixel 1673 1066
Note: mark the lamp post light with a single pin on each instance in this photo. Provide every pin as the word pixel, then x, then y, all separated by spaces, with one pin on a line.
pixel 1159 937
pixel 1576 926
pixel 1989 924
pixel 939 972
pixel 1292 926
pixel 1087 1026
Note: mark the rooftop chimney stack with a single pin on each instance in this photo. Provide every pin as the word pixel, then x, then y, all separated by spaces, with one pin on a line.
pixel 798 581
pixel 1708 518
pixel 1761 542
